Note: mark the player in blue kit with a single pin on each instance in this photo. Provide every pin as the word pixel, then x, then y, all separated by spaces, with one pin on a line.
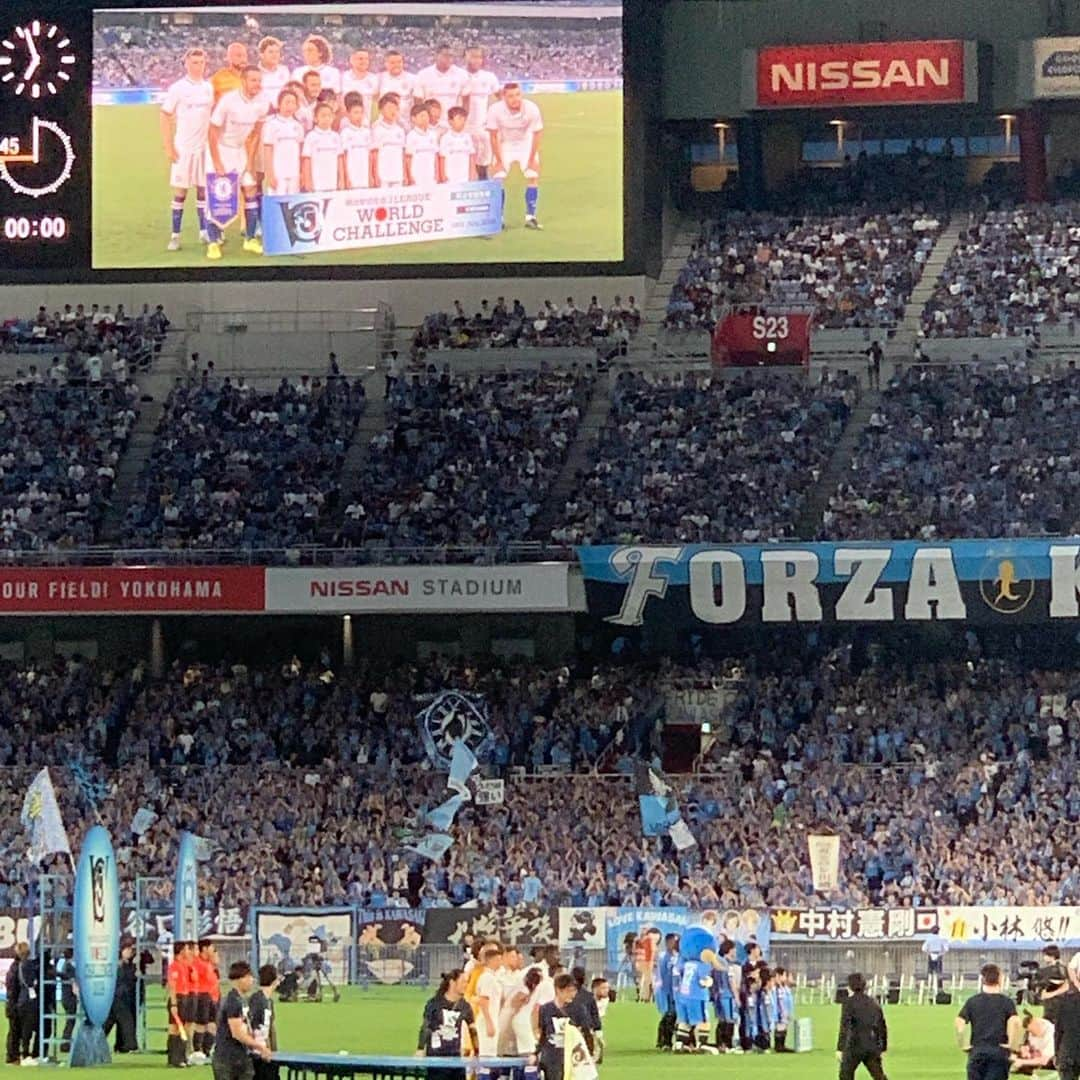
pixel 725 1000
pixel 667 961
pixel 784 1008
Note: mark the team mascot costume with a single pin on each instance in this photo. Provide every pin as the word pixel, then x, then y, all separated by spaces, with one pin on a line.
pixel 698 956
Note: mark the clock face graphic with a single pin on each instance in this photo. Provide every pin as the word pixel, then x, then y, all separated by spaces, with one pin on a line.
pixel 36 60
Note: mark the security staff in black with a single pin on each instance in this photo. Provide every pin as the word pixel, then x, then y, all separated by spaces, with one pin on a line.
pixel 995 1028
pixel 1067 1033
pixel 863 1036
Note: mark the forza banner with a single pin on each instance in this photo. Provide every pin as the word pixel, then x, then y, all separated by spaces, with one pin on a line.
pixel 976 581
pixel 860 73
pixel 366 218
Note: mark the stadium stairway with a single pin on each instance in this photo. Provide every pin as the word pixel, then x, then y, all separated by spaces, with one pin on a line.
pixel 654 309
pixel 154 387
pixel 577 458
pixel 901 346
pixel 839 463
pixel 370 424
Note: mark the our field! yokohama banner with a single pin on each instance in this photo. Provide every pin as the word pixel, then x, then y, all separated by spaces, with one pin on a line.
pixel 147 590
pixel 344 220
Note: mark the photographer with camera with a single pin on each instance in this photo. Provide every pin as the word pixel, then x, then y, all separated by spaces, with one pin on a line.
pixel 1051 982
pixel 1067 1029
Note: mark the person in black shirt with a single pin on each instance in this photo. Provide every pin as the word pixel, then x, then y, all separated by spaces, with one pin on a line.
pixel 232 1060
pixel 995 1028
pixel 11 1003
pixel 122 1014
pixel 554 1017
pixel 65 969
pixel 261 1018
pixel 864 1036
pixel 440 1029
pixel 582 1010
pixel 1067 1034
pixel 28 1004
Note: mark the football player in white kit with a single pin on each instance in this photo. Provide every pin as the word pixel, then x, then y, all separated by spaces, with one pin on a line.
pixel 185 122
pixel 396 80
pixel 516 128
pixel 360 79
pixel 235 132
pixel 318 56
pixel 421 151
pixel 356 142
pixel 481 87
pixel 444 80
pixel 282 141
pixel 320 160
pixel 388 145
pixel 275 74
pixel 457 151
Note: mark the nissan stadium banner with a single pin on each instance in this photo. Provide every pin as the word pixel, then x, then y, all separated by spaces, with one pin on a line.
pixel 348 220
pixel 977 581
pixel 860 73
pixel 406 589
pixel 523 925
pixel 1049 68
pixel 114 590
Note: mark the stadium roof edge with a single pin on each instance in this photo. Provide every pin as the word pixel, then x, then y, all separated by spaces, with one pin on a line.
pixel 508 10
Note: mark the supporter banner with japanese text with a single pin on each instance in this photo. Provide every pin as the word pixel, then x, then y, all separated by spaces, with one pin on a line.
pixel 1004 927
pixel 860 73
pixel 156 927
pixel 361 218
pixel 406 589
pixel 388 940
pixel 627 926
pixel 524 925
pixel 147 590
pixel 856 924
pixel 974 581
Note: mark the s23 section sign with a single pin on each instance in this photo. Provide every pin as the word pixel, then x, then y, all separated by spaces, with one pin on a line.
pixel 860 73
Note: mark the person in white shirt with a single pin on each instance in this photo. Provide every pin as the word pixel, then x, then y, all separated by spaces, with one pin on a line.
pixel 312 86
pixel 275 74
pixel 516 128
pixel 480 87
pixel 421 151
pixel 444 80
pixel 283 139
pixel 185 126
pixel 235 132
pixel 489 1001
pixel 318 56
pixel 360 79
pixel 396 80
pixel 356 142
pixel 320 160
pixel 457 151
pixel 387 145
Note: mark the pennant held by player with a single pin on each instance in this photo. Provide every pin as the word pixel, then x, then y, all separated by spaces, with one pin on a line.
pixel 577 1061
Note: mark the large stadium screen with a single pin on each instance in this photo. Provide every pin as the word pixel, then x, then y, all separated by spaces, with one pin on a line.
pixel 257 139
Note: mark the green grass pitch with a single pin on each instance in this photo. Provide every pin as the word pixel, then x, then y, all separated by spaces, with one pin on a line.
pixel 385 1021
pixel 581 201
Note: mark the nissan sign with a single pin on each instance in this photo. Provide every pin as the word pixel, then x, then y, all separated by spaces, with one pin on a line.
pixel 859 74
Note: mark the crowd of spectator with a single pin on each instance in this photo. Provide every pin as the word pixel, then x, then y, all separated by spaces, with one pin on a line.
pixel 466 459
pixel 151 55
pixel 855 269
pixel 977 450
pixel 110 342
pixel 690 458
pixel 1012 272
pixel 233 466
pixel 608 330
pixel 947 781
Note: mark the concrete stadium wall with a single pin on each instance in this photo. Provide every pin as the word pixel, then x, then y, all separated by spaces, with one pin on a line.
pixel 703 43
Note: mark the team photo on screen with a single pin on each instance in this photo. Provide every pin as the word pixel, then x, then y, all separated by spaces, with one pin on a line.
pixel 360 134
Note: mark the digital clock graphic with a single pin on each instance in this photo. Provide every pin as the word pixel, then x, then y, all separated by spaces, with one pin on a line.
pixel 36 60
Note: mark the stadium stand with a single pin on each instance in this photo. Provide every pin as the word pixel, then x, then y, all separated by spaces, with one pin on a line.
pixel 695 458
pixel 237 467
pixel 980 450
pixel 856 270
pixel 1013 272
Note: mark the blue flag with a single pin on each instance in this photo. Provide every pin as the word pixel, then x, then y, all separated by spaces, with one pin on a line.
pixel 433 847
pixel 462 763
pixel 442 817
pixel 658 814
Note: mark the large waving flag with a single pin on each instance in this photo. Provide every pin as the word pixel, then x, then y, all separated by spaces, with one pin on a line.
pixel 41 818
pixel 462 763
pixel 442 817
pixel 433 846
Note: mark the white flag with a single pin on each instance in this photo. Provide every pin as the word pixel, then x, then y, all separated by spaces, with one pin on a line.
pixel 681 836
pixel 577 1061
pixel 41 818
pixel 824 861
